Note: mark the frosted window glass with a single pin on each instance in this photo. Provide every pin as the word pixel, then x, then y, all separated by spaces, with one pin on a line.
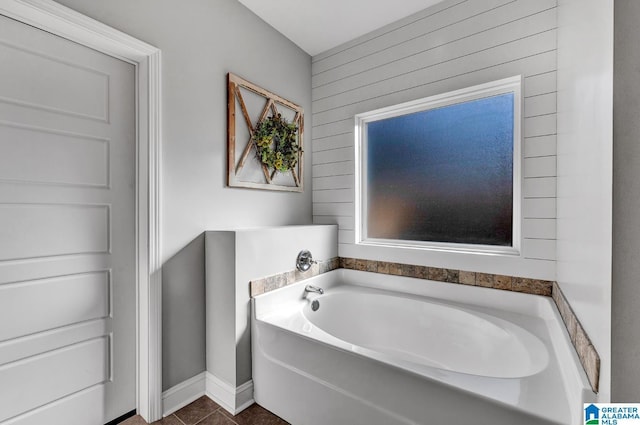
pixel 444 174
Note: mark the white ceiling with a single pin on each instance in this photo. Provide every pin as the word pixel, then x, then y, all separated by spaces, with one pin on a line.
pixel 319 25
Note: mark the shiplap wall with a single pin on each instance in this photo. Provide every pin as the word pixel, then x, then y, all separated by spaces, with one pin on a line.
pixel 455 44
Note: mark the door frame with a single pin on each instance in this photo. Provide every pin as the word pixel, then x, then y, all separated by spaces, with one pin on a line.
pixel 59 20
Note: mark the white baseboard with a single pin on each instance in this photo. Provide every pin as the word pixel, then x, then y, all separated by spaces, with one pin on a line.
pixel 244 396
pixel 184 393
pixel 233 400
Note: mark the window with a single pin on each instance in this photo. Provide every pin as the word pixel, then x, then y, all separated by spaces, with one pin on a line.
pixel 443 172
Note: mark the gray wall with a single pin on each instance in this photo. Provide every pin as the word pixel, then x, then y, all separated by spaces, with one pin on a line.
pixel 202 40
pixel 452 45
pixel 625 317
pixel 183 312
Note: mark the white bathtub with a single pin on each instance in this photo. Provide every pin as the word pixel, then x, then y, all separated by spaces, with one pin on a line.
pixel 384 350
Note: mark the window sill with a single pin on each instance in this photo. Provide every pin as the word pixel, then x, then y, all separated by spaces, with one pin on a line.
pixel 443 247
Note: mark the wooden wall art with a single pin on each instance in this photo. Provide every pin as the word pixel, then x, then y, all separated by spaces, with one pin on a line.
pixel 264 140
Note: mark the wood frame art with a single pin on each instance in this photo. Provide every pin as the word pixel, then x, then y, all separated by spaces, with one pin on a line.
pixel 236 165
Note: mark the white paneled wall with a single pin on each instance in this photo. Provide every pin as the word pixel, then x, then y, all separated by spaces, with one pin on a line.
pixel 585 164
pixel 452 45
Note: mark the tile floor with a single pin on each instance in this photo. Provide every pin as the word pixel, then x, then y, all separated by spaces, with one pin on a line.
pixel 204 411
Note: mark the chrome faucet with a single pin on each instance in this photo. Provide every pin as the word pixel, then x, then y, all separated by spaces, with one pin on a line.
pixel 311 288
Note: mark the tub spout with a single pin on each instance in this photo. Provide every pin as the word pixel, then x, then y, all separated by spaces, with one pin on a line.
pixel 311 288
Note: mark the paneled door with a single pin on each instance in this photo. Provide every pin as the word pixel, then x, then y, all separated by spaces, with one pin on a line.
pixel 67 231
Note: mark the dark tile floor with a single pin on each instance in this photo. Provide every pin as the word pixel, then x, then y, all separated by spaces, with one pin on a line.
pixel 204 411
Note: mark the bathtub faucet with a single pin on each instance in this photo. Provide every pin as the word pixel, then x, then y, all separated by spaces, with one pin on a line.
pixel 311 288
pixel 304 260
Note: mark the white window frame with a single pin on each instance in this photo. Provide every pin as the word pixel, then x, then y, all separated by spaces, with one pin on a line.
pixel 494 88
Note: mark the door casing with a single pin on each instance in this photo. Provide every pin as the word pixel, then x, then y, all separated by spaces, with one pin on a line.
pixel 59 20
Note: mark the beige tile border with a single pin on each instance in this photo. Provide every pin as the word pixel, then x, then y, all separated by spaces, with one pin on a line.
pixel 508 283
pixel 280 280
pixel 584 347
pixel 587 353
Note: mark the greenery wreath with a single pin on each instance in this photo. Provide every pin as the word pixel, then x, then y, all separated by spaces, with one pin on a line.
pixel 277 143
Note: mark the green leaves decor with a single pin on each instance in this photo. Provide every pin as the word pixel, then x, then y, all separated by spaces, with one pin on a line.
pixel 277 143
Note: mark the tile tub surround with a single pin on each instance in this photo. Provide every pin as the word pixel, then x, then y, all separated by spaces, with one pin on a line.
pixel 280 280
pixel 508 283
pixel 587 353
pixel 584 347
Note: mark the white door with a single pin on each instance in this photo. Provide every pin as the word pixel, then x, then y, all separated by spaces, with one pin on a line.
pixel 67 231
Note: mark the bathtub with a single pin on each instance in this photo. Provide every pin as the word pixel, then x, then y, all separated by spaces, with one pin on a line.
pixel 386 350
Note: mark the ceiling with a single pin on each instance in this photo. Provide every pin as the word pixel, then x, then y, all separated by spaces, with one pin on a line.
pixel 319 25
